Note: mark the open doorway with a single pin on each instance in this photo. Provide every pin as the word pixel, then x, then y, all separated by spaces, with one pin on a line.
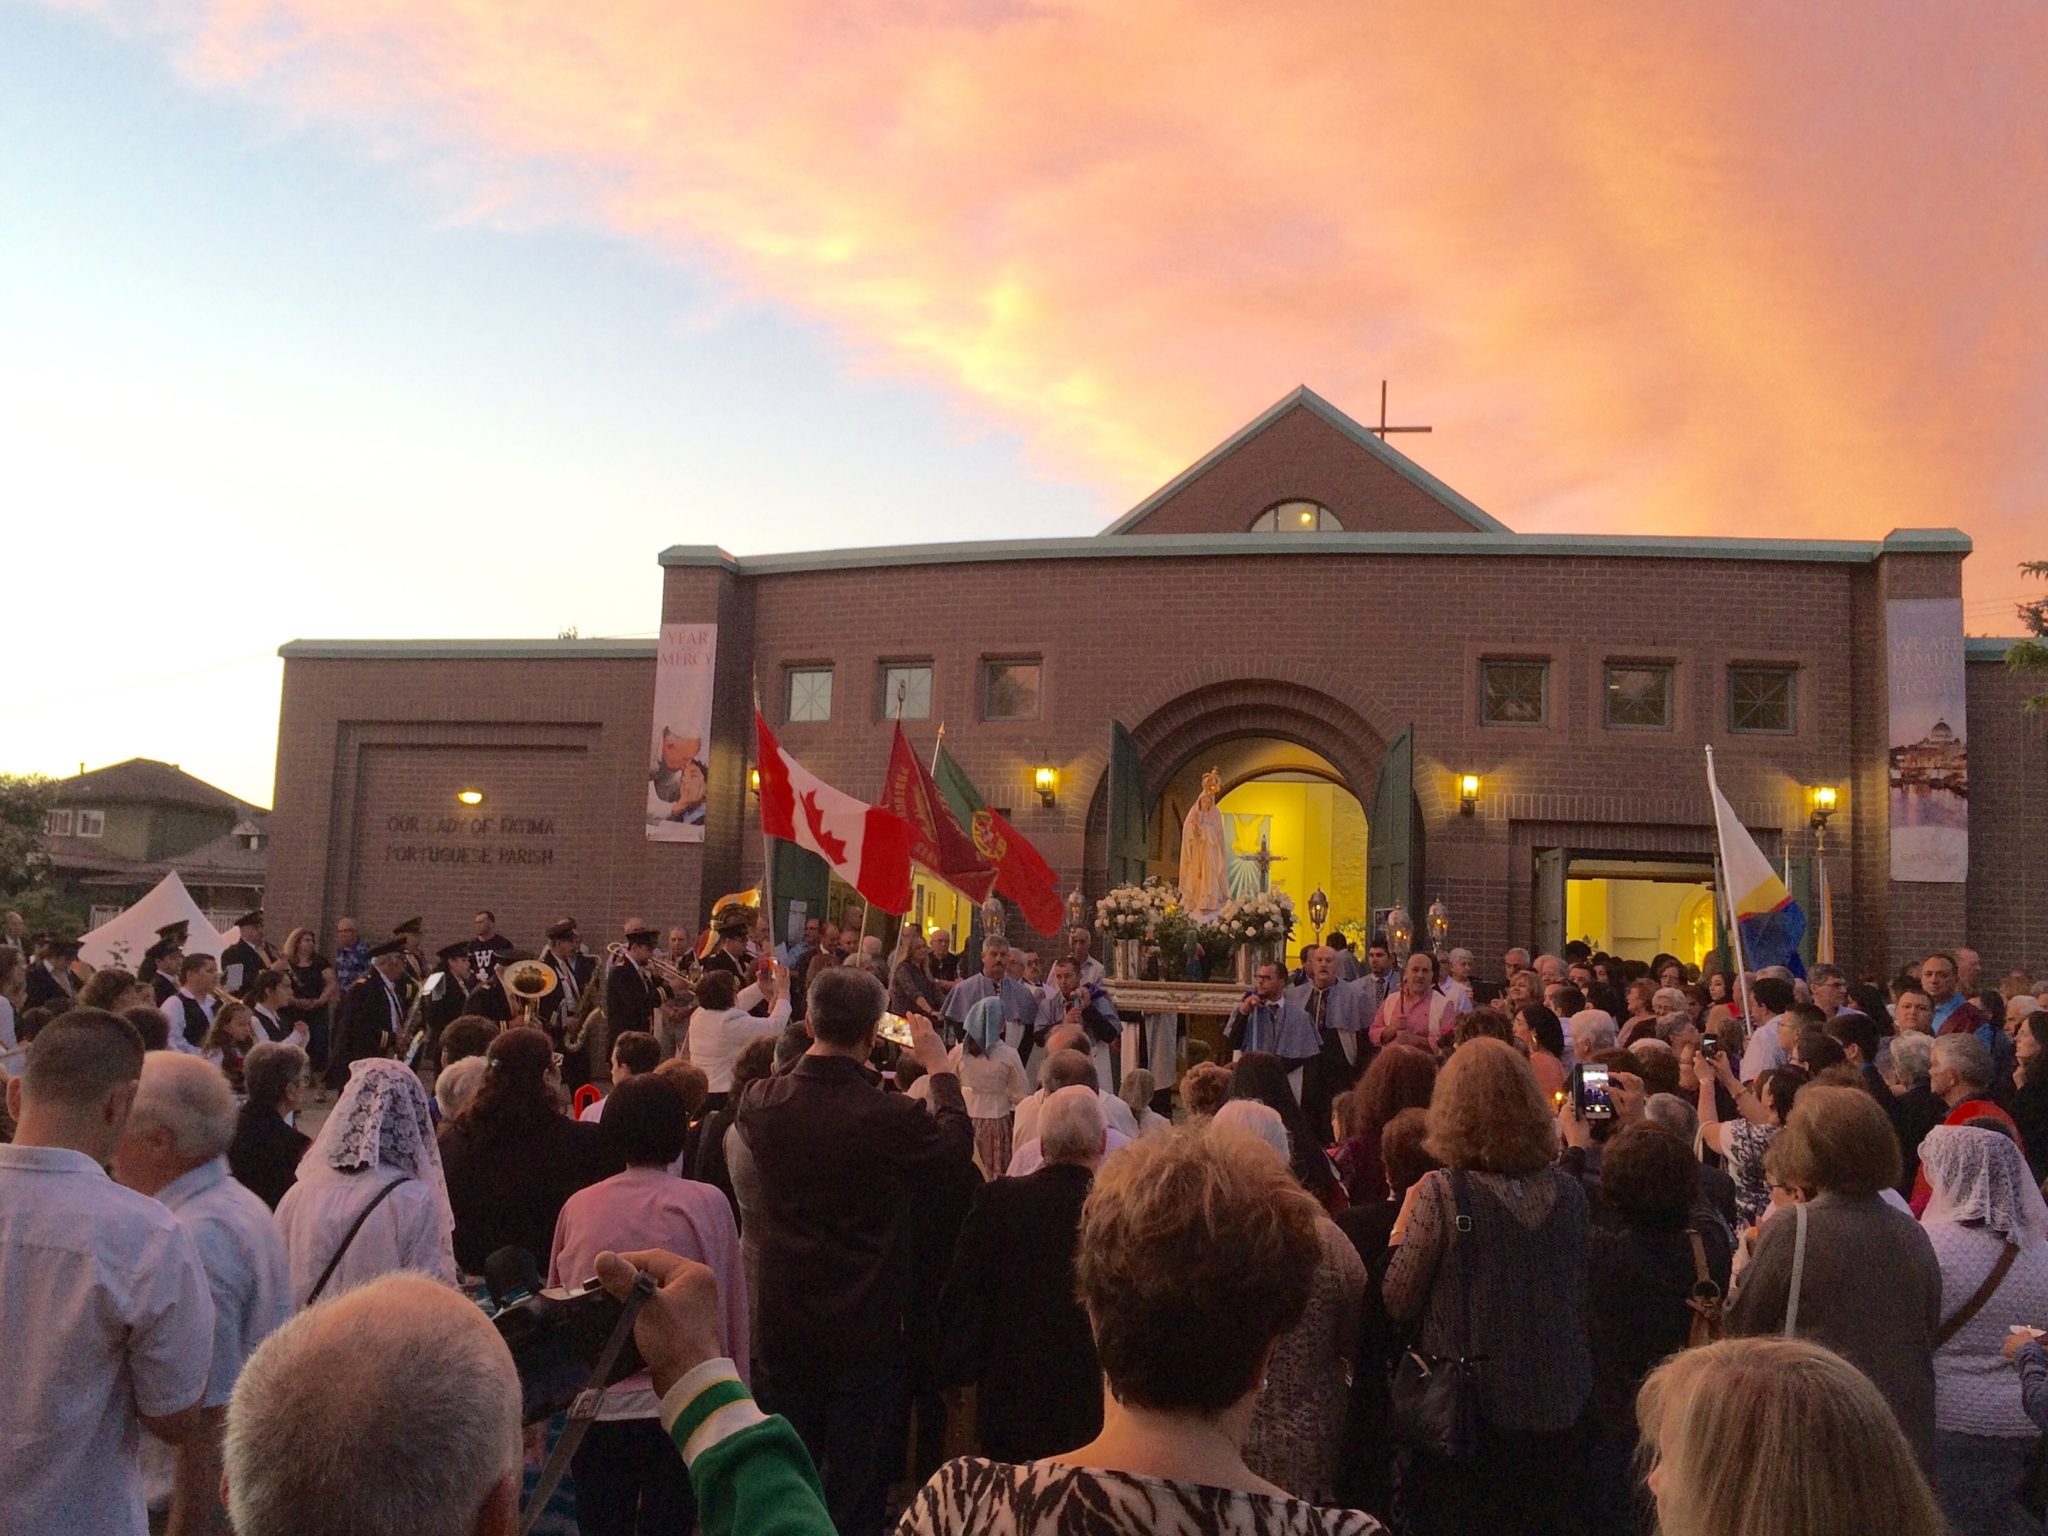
pixel 1631 905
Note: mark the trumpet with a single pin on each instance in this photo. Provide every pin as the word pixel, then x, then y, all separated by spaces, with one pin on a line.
pixel 526 982
pixel 674 975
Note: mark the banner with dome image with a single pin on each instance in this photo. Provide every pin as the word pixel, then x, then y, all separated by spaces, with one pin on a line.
pixel 1929 781
pixel 678 781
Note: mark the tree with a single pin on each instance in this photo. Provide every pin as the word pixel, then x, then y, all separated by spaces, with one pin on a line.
pixel 24 798
pixel 2031 654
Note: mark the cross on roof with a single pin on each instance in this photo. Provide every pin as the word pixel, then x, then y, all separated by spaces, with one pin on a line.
pixel 1383 429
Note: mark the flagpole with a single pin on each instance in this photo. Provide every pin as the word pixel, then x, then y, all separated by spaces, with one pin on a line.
pixel 1721 865
pixel 767 843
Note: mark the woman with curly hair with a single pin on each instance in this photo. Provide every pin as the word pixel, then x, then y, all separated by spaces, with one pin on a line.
pixel 1490 1261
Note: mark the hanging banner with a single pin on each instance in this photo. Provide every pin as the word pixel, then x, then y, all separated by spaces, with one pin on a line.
pixel 679 782
pixel 1929 776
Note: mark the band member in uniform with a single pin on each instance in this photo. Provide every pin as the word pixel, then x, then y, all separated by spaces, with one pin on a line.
pixel 49 979
pixel 189 1011
pixel 372 1012
pixel 575 970
pixel 416 967
pixel 169 949
pixel 631 994
pixel 733 925
pixel 247 958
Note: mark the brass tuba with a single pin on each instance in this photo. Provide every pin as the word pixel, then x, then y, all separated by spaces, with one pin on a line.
pixel 526 982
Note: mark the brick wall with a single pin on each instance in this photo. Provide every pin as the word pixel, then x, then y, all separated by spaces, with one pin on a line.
pixel 2008 891
pixel 1187 651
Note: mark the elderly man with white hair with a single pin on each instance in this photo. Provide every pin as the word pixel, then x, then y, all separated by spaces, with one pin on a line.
pixel 1592 1031
pixel 1457 982
pixel 1010 1313
pixel 1070 1069
pixel 174 1146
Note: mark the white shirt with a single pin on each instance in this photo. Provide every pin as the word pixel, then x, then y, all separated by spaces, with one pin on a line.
pixel 7 1040
pixel 718 1037
pixel 1459 994
pixel 404 1232
pixel 594 1110
pixel 993 1083
pixel 1763 1054
pixel 245 1269
pixel 106 1315
pixel 173 1010
pixel 1030 1157
pixel 1114 1110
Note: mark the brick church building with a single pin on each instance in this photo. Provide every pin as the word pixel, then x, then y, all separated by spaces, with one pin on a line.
pixel 1434 708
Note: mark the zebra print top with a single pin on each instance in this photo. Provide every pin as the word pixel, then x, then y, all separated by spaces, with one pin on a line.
pixel 973 1497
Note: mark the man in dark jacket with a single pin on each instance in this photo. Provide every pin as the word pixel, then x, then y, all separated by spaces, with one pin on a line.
pixel 1009 1308
pixel 829 1170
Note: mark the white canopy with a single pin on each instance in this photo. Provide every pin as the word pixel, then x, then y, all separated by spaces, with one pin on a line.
pixel 122 941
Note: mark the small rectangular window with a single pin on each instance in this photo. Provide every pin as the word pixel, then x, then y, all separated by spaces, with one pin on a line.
pixel 1638 696
pixel 1010 689
pixel 810 694
pixel 1514 692
pixel 92 823
pixel 1761 700
pixel 57 823
pixel 906 690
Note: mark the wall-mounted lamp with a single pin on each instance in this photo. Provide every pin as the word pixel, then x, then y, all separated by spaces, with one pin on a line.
pixel 1468 793
pixel 1046 780
pixel 1821 802
pixel 753 781
pixel 470 796
pixel 1318 912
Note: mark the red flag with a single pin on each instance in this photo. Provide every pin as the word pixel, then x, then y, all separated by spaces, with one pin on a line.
pixel 1021 872
pixel 938 841
pixel 868 848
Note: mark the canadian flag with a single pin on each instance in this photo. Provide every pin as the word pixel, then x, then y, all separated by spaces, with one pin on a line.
pixel 867 847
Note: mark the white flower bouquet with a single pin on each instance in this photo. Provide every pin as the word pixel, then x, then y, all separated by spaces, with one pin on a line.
pixel 1127 912
pixel 1266 918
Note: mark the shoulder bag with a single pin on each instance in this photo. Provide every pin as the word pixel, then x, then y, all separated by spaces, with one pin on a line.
pixel 348 1237
pixel 1705 1300
pixel 1798 1269
pixel 1976 1303
pixel 1435 1398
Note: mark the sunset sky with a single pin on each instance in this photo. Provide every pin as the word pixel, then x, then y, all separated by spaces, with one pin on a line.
pixel 397 318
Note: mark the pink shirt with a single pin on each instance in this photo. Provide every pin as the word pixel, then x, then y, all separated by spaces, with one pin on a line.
pixel 1402 1022
pixel 652 1208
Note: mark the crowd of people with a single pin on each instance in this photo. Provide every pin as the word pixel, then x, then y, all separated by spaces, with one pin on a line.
pixel 1602 1246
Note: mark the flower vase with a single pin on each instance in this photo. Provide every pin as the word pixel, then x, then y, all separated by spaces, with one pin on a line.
pixel 1125 956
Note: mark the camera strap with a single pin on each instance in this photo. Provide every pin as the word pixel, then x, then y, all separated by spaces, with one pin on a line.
pixel 583 1411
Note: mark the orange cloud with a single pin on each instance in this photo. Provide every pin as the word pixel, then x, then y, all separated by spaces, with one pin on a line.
pixel 1730 269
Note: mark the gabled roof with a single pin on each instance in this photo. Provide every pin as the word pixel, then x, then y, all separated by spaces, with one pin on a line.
pixel 145 781
pixel 1304 398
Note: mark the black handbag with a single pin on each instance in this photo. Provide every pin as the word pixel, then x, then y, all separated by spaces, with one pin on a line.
pixel 1435 1398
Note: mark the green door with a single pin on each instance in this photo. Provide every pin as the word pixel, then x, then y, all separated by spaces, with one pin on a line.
pixel 1394 834
pixel 1129 843
pixel 1546 907
pixel 796 875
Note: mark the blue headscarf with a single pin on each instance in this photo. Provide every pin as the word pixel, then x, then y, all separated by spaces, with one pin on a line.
pixel 985 1023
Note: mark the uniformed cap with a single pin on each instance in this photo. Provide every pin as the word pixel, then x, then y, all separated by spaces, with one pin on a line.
pixel 388 947
pixel 63 946
pixel 253 915
pixel 458 950
pixel 733 920
pixel 158 950
pixel 174 933
pixel 410 925
pixel 565 929
pixel 647 936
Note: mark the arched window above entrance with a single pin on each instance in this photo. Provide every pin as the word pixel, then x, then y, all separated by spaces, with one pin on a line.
pixel 1297 517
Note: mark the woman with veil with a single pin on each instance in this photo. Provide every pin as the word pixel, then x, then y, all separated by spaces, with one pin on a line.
pixel 370 1197
pixel 1989 1228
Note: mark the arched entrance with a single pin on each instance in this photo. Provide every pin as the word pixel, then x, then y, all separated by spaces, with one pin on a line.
pixel 1290 821
pixel 1283 749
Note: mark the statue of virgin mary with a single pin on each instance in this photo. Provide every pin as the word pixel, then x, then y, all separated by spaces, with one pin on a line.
pixel 1204 856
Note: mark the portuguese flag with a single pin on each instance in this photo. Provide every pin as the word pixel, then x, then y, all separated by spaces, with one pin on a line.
pixel 1021 872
